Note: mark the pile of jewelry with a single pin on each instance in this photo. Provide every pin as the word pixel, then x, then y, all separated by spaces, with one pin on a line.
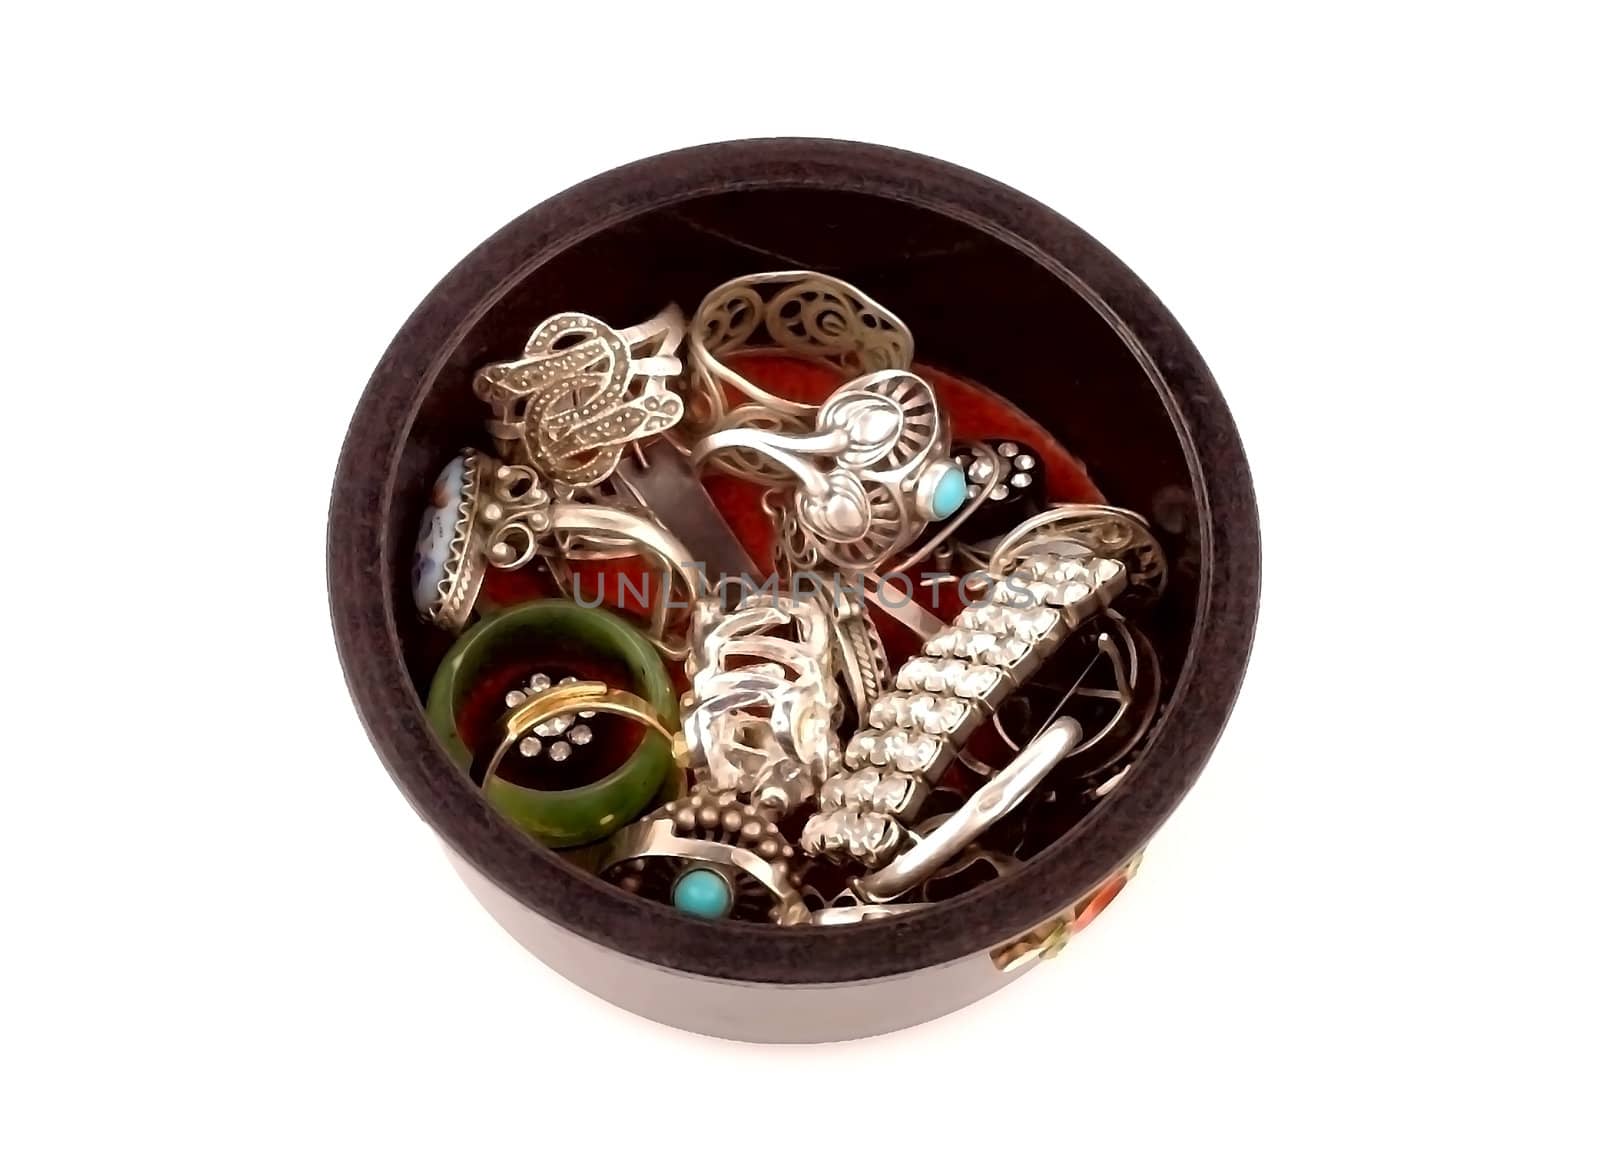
pixel 764 657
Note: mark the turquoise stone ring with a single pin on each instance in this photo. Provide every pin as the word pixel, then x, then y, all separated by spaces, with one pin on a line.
pixel 949 493
pixel 704 893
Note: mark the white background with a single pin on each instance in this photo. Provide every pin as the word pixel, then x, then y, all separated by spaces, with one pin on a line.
pixel 1367 937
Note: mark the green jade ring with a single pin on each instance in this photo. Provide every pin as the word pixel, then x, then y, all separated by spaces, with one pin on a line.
pixel 578 816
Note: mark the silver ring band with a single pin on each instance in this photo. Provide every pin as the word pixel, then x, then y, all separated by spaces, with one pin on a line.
pixel 986 806
pixel 808 314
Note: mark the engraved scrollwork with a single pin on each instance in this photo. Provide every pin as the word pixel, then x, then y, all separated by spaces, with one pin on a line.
pixel 808 314
pixel 826 318
pixel 726 322
pixel 867 478
pixel 516 515
pixel 581 392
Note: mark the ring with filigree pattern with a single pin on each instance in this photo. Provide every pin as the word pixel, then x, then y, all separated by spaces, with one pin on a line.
pixel 484 512
pixel 866 481
pixel 807 314
pixel 582 392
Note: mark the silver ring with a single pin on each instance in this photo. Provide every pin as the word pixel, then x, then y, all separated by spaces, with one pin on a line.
pixel 862 912
pixel 808 314
pixel 485 512
pixel 986 806
pixel 760 714
pixel 739 858
pixel 582 391
pixel 858 648
pixel 870 476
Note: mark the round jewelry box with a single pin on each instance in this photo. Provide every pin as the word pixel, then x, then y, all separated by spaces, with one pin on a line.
pixel 1002 291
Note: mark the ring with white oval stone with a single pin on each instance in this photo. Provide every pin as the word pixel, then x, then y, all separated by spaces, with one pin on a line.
pixel 484 512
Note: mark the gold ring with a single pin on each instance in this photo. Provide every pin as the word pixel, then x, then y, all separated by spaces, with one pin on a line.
pixel 569 699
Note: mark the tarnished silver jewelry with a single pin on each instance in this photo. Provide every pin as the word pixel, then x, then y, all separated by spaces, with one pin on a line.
pixel 582 391
pixel 994 800
pixel 1105 530
pixel 610 493
pixel 978 495
pixel 883 594
pixel 858 647
pixel 561 733
pixel 447 565
pixel 896 603
pixel 710 857
pixel 808 314
pixel 760 716
pixel 868 478
pixel 847 907
pixel 851 913
pixel 484 512
pixel 681 583
pixel 1067 527
pixel 941 696
pixel 1115 699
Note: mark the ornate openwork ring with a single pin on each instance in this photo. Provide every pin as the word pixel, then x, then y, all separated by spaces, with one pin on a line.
pixel 867 479
pixel 804 313
pixel 760 713
pixel 582 391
